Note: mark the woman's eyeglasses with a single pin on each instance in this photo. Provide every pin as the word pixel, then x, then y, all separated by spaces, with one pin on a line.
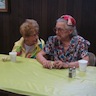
pixel 59 29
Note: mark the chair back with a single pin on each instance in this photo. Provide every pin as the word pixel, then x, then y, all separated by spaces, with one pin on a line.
pixel 92 59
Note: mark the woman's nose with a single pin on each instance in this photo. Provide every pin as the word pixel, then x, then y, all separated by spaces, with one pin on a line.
pixel 56 31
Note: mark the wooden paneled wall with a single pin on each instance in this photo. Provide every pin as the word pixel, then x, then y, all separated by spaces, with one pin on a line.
pixel 46 12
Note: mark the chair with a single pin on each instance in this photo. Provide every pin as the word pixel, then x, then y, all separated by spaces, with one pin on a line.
pixel 92 59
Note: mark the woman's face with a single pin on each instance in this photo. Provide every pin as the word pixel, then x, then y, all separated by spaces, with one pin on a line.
pixel 61 31
pixel 31 39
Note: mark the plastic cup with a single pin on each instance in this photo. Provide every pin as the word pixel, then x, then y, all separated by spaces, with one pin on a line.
pixel 13 56
pixel 82 65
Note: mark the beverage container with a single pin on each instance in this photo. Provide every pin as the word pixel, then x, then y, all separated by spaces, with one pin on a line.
pixel 82 65
pixel 13 56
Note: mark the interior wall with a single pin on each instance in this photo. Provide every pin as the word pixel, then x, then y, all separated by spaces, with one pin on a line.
pixel 45 12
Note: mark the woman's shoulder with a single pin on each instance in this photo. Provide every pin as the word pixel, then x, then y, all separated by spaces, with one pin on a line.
pixel 79 39
pixel 53 38
pixel 20 41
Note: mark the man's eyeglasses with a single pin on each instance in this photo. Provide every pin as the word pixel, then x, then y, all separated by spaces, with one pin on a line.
pixel 59 29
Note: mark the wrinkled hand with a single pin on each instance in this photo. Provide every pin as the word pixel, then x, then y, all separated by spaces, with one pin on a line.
pixel 59 64
pixel 72 64
pixel 48 64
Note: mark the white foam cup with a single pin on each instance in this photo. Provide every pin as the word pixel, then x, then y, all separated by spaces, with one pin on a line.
pixel 83 65
pixel 13 56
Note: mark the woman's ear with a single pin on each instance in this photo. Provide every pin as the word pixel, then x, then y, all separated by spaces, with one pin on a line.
pixel 70 31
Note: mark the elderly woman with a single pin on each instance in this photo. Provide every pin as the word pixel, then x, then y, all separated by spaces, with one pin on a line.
pixel 29 44
pixel 67 47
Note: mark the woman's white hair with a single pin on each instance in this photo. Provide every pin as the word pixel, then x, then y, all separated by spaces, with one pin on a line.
pixel 74 33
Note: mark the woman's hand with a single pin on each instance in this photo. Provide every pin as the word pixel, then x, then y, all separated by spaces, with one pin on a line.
pixel 47 64
pixel 59 64
pixel 72 64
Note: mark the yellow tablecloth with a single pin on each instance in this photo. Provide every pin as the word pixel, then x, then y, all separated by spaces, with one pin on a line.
pixel 28 77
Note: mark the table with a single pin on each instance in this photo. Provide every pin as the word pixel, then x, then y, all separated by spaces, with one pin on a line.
pixel 28 77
